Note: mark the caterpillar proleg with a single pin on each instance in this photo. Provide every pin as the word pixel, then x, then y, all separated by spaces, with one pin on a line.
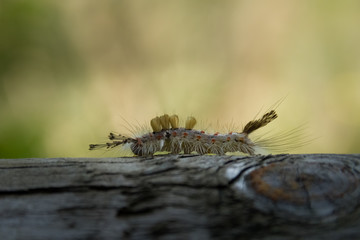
pixel 169 136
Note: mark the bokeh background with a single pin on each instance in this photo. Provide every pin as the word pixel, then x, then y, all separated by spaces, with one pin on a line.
pixel 71 71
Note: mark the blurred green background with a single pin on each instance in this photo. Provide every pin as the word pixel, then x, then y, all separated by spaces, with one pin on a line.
pixel 71 71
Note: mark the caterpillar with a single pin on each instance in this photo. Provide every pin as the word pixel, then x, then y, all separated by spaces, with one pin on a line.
pixel 169 136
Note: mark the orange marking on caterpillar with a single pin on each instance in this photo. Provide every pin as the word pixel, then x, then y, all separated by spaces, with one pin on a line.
pixel 139 141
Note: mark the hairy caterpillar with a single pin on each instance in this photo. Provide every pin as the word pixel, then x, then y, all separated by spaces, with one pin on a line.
pixel 168 136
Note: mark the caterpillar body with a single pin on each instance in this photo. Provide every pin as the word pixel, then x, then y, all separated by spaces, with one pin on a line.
pixel 168 136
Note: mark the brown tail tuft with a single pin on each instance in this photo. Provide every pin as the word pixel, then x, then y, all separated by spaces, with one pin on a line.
pixel 256 124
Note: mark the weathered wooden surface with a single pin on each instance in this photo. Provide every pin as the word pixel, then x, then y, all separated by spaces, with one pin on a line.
pixel 181 197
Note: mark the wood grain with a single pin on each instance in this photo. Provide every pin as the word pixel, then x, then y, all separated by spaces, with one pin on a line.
pixel 313 196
